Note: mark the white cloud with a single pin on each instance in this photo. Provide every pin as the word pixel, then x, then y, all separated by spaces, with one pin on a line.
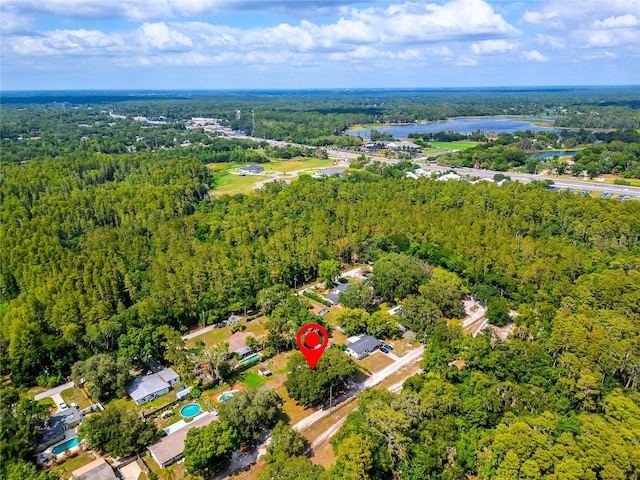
pixel 488 47
pixel 607 38
pixel 159 36
pixel 553 42
pixel 12 23
pixel 456 20
pixel 623 21
pixel 549 19
pixel 535 56
pixel 602 54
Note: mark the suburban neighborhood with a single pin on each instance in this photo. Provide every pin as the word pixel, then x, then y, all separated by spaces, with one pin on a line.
pixel 162 396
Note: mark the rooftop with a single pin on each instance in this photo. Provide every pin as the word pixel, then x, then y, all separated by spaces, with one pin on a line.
pixel 366 343
pixel 150 384
pixel 97 470
pixel 172 445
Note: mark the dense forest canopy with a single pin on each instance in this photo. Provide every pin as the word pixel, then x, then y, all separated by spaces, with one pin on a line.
pixel 111 252
pixel 94 245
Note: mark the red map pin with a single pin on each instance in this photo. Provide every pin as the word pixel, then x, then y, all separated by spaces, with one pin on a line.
pixel 310 342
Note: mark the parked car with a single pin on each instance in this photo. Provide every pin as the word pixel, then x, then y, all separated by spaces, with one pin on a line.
pixel 63 406
pixel 384 350
pixel 388 347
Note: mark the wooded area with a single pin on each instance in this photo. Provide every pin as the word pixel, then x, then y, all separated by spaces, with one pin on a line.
pixel 115 253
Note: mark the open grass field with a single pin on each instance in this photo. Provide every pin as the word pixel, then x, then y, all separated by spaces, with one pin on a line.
pixel 452 145
pixel 230 184
pixel 287 166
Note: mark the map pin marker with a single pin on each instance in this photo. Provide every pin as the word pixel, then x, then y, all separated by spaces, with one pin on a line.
pixel 310 342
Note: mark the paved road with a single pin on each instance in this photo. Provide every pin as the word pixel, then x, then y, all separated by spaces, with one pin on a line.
pixel 197 333
pixel 590 185
pixel 54 391
pixel 412 356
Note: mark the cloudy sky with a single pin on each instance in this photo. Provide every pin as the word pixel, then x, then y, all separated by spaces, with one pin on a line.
pixel 240 44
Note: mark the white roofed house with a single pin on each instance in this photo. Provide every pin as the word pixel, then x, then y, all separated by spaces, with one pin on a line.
pixel 150 387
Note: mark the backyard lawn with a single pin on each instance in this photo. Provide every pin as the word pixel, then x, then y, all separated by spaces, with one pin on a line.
pixel 64 470
pixel 77 396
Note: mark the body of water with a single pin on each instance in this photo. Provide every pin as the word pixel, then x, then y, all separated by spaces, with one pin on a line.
pixel 251 358
pixel 223 397
pixel 460 125
pixel 190 410
pixel 553 153
pixel 72 442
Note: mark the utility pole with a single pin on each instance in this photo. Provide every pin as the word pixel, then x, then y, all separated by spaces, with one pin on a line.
pixel 330 398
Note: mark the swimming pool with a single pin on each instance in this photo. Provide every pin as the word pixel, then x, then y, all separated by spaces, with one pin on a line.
pixel 251 358
pixel 223 397
pixel 67 444
pixel 190 410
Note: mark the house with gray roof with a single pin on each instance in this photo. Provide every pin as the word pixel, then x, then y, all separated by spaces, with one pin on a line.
pixel 170 449
pixel 59 423
pixel 333 297
pixel 361 346
pixel 251 170
pixel 150 387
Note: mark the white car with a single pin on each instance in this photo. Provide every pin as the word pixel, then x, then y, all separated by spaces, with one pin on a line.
pixel 63 406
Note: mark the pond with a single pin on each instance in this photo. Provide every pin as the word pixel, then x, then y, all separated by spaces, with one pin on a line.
pixel 459 125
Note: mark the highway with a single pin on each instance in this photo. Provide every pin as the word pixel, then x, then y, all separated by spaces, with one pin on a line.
pixel 578 184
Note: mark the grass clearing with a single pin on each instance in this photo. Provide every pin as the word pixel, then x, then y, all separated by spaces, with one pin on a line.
pixel 374 363
pixel 230 184
pixel 252 380
pixel 77 396
pixel 453 145
pixel 293 165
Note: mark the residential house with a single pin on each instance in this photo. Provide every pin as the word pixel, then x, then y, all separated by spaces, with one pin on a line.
pixel 251 170
pixel 150 387
pixel 361 346
pixel 97 470
pixel 242 351
pixel 59 423
pixel 333 297
pixel 319 310
pixel 171 448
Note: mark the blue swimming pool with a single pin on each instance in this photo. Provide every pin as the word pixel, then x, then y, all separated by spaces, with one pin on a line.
pixel 251 358
pixel 67 444
pixel 227 395
pixel 190 410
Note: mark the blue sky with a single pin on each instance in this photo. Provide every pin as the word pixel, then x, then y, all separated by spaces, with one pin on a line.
pixel 244 44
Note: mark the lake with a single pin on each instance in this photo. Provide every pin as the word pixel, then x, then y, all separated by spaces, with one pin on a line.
pixel 553 153
pixel 460 125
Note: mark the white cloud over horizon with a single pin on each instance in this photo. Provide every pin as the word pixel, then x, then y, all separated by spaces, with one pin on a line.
pixel 442 37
